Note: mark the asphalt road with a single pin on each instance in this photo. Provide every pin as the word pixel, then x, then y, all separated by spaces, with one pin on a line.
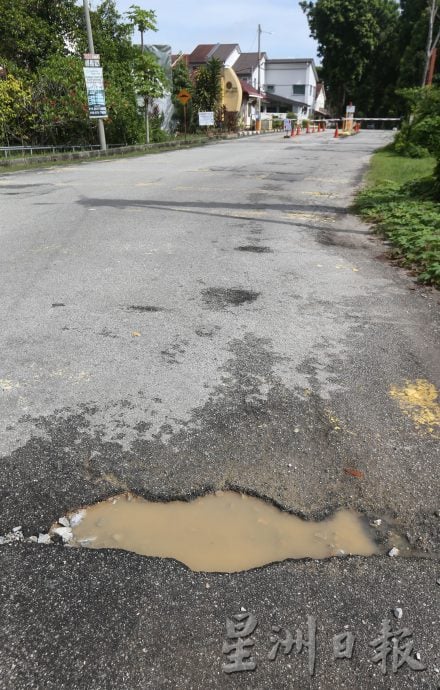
pixel 203 319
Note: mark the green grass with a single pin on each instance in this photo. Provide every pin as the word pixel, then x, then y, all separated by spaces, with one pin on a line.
pixel 398 200
pixel 388 166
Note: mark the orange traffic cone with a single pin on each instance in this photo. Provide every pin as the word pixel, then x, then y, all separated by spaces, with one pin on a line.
pixel 292 134
pixel 308 129
pixel 298 131
pixel 336 132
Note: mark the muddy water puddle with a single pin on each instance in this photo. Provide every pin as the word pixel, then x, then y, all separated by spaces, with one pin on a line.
pixel 221 532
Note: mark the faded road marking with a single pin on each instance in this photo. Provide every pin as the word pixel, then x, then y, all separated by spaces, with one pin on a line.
pixel 7 385
pixel 418 400
pixel 301 215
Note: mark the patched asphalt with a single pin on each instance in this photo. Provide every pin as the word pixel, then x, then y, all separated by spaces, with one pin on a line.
pixel 141 351
pixel 90 619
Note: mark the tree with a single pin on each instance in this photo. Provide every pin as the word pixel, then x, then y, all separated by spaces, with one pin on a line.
pixel 15 111
pixel 143 20
pixel 150 82
pixel 420 134
pixel 207 87
pixel 59 103
pixel 354 37
pixel 181 80
pixel 32 30
pixel 41 44
pixel 432 38
pixel 418 37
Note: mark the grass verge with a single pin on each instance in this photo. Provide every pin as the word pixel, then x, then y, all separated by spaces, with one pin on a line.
pixel 398 200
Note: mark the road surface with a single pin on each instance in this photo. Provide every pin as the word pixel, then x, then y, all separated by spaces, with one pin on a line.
pixel 206 319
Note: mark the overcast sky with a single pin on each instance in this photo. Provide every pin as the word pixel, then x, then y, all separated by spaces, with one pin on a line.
pixel 185 23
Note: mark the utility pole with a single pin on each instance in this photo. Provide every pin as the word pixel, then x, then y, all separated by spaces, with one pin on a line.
pixel 258 122
pixel 101 130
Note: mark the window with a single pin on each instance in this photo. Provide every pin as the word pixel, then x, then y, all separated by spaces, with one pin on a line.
pixel 270 88
pixel 299 89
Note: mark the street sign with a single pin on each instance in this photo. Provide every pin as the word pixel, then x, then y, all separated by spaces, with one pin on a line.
pixel 183 96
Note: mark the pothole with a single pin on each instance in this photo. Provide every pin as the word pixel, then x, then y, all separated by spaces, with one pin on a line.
pixel 257 249
pixel 221 532
pixel 219 298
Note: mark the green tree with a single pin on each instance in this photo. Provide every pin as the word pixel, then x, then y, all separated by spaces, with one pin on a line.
pixel 33 30
pixel 41 43
pixel 207 87
pixel 413 39
pixel 143 20
pixel 150 82
pixel 355 38
pixel 112 39
pixel 111 35
pixel 15 110
pixel 60 104
pixel 181 80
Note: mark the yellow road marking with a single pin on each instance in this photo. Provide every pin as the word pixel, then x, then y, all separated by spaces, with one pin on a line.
pixel 419 401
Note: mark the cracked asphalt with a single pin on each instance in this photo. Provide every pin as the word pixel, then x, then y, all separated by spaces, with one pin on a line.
pixel 204 319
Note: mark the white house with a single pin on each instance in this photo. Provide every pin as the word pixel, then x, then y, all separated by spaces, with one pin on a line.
pixel 320 99
pixel 293 79
pixel 227 53
pixel 246 69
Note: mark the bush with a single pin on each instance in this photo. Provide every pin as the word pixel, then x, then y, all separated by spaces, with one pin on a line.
pixel 420 136
pixel 411 224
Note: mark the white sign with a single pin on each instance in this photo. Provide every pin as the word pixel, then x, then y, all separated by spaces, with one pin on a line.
pixel 206 119
pixel 95 92
pixel 350 109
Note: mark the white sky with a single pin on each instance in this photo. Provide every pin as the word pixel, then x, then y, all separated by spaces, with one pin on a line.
pixel 185 23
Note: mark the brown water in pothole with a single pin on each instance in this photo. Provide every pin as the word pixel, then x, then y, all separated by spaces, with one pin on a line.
pixel 221 532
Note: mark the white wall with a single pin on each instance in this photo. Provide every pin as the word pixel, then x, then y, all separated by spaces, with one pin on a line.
pixel 283 75
pixel 320 101
pixel 233 57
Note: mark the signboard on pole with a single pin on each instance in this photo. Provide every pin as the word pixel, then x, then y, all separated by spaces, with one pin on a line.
pixel 92 60
pixel 206 119
pixel 95 87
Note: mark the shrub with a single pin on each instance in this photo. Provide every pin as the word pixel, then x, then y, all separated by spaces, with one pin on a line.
pixel 411 224
pixel 420 136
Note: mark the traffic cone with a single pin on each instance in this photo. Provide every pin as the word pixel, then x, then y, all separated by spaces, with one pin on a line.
pixel 336 133
pixel 292 134
pixel 298 131
pixel 308 129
